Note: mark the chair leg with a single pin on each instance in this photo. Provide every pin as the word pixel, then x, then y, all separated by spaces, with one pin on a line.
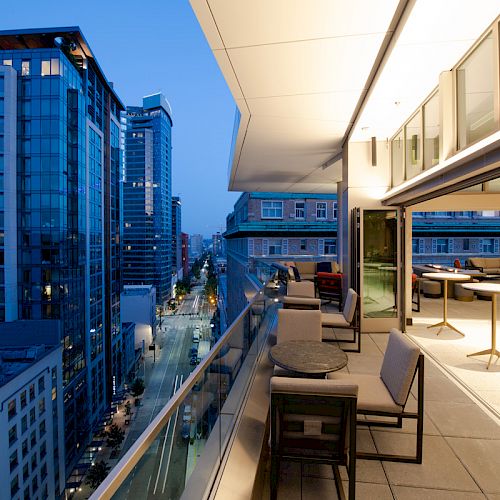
pixel 338 483
pixel 275 470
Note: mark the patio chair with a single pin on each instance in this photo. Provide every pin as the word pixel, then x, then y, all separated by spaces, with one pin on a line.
pixel 300 295
pixel 297 325
pixel 329 286
pixel 348 319
pixel 386 394
pixel 313 421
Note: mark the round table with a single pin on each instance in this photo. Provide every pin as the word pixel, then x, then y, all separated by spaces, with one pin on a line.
pixel 445 277
pixel 492 289
pixel 311 357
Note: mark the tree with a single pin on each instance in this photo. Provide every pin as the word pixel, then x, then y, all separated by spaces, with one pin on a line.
pixel 115 436
pixel 97 473
pixel 137 387
pixel 128 409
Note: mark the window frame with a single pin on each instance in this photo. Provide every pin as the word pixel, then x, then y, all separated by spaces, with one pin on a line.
pixel 318 209
pixel 263 208
pixel 297 210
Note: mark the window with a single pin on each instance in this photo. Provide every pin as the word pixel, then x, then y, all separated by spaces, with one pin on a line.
pixel 303 244
pixel 431 132
pixel 12 435
pixel 32 392
pixel 34 484
pixel 321 210
pixel 14 486
pixel 476 82
pixel 13 461
pixel 45 68
pixel 272 210
pixel 12 409
pixel 442 245
pixel 34 462
pixel 25 68
pixel 24 424
pixel 414 245
pixel 275 247
pixel 24 448
pixel 42 428
pixel 50 67
pixel 32 416
pixel 43 471
pixel 300 210
pixel 334 210
pixel 7 62
pixel 330 247
pixel 43 450
pixel 41 385
pixel 26 471
pixel 487 245
pixel 41 406
pixel 33 438
pixel 413 143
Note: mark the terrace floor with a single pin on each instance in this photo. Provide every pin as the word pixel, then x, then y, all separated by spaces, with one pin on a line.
pixel 461 437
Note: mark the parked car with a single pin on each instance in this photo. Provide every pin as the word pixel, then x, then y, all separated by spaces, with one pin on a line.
pixel 186 430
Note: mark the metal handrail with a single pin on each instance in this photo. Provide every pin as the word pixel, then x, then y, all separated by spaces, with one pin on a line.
pixel 125 465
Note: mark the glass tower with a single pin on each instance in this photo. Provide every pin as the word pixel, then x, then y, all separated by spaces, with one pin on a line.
pixel 147 192
pixel 63 227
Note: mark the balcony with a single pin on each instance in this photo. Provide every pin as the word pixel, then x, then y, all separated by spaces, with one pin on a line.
pixel 219 417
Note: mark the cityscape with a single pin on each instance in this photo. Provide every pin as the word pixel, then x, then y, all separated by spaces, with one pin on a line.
pixel 142 297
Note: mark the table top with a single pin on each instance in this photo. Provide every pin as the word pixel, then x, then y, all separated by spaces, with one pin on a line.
pixel 447 276
pixel 483 287
pixel 308 356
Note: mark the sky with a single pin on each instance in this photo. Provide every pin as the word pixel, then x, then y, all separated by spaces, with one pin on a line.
pixel 150 46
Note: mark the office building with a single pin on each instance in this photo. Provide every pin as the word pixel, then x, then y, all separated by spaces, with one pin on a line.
pixel 276 226
pixel 195 246
pixel 185 253
pixel 60 120
pixel 176 238
pixel 31 414
pixel 217 245
pixel 147 196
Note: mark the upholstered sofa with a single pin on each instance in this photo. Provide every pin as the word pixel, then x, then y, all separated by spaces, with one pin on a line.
pixel 488 265
pixel 309 270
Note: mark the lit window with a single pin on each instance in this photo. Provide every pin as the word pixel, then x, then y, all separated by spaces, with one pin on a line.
pixel 321 210
pixel 272 210
pixel 45 68
pixel 41 406
pixel 32 392
pixel 25 68
pixel 54 67
pixel 7 62
pixel 12 408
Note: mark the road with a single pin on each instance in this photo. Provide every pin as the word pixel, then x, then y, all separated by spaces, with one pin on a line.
pixel 161 471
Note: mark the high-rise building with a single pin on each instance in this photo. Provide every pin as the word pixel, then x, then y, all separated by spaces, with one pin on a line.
pixel 185 253
pixel 147 196
pixel 217 244
pixel 61 156
pixel 176 237
pixel 195 245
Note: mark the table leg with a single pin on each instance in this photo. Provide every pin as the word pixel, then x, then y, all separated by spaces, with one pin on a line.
pixel 444 323
pixel 493 351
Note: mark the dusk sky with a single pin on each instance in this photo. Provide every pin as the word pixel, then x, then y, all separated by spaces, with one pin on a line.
pixel 150 46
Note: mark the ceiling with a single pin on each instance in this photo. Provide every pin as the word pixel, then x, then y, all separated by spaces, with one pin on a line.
pixel 299 70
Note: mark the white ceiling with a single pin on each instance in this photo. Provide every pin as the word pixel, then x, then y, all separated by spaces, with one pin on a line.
pixel 297 70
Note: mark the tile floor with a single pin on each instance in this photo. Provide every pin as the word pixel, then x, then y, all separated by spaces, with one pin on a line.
pixel 461 440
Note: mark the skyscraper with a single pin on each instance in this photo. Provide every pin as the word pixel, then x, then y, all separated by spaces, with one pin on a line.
pixel 147 194
pixel 176 237
pixel 62 158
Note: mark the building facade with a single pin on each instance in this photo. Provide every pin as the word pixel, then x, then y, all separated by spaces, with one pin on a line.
pixel 31 410
pixel 276 226
pixel 147 196
pixel 185 253
pixel 176 238
pixel 217 245
pixel 195 245
pixel 62 158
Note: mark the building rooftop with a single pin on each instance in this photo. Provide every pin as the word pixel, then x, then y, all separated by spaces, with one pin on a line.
pixel 25 342
pixel 137 289
pixel 72 42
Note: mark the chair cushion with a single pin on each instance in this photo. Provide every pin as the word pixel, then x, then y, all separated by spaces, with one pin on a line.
pixel 313 386
pixel 372 392
pixel 306 268
pixel 398 367
pixel 350 305
pixel 307 302
pixel 298 325
pixel 334 320
pixel 324 267
pixel 300 289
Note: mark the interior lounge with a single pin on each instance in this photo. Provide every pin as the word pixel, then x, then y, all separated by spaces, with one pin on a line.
pixel 387 385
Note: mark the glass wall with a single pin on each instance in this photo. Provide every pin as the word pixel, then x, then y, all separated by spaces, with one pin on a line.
pixel 397 159
pixel 431 131
pixel 413 146
pixel 476 82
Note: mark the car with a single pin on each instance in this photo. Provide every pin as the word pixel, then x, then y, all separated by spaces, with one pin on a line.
pixel 186 430
pixel 186 416
pixel 193 360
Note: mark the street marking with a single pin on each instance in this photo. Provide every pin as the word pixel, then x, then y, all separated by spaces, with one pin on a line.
pixel 171 444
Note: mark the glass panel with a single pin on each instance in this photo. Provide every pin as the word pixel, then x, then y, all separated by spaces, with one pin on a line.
pixel 45 68
pixel 476 94
pixel 379 263
pixel 413 146
pixel 431 132
pixel 397 159
pixel 493 186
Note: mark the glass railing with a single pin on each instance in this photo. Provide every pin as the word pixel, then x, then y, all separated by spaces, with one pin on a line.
pixel 178 455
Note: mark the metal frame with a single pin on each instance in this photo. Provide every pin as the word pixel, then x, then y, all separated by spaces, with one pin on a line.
pixel 279 400
pixel 355 326
pixel 418 416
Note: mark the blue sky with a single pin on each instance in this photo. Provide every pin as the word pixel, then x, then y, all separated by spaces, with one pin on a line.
pixel 150 46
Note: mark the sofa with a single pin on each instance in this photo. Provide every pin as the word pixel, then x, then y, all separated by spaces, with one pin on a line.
pixel 488 265
pixel 306 270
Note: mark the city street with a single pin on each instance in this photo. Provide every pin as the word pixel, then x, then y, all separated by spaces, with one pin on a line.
pixel 162 469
